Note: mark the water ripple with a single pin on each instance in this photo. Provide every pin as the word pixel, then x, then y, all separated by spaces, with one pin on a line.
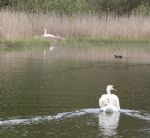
pixel 136 114
pixel 38 119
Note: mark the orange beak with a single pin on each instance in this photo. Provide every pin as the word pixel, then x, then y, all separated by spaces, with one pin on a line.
pixel 114 89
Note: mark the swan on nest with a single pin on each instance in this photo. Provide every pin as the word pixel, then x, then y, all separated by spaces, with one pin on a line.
pixel 51 36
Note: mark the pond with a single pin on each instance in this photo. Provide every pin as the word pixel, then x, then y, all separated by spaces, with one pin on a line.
pixel 54 92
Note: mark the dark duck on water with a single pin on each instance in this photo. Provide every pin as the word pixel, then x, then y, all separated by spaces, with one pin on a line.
pixel 118 56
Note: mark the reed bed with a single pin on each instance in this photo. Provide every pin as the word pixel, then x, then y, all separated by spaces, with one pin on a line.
pixel 16 25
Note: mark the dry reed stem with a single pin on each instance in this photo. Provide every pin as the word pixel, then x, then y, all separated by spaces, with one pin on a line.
pixel 19 25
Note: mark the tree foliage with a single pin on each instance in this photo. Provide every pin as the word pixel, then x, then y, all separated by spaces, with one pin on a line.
pixel 70 7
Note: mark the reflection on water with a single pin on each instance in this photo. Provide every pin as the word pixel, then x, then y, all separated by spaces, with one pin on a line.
pixel 130 54
pixel 108 123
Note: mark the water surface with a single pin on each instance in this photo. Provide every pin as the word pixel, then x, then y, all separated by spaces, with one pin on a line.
pixel 54 93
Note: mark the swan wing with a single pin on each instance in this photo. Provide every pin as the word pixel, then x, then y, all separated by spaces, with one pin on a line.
pixel 106 99
pixel 103 101
pixel 115 100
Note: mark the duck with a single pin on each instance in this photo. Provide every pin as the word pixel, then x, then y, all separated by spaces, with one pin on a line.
pixel 118 56
pixel 109 102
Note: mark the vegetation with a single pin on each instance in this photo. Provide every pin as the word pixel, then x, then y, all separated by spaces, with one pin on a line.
pixel 71 7
pixel 120 20
pixel 16 25
pixel 24 42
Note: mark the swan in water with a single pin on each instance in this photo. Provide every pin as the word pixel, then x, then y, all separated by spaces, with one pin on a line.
pixel 109 102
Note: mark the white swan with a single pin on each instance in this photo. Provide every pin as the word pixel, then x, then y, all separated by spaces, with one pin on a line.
pixel 51 35
pixel 109 102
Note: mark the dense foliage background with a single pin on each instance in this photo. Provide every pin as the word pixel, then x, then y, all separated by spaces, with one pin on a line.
pixel 71 7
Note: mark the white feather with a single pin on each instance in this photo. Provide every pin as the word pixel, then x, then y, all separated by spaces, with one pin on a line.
pixel 109 102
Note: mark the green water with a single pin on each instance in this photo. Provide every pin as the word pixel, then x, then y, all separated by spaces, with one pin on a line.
pixel 54 93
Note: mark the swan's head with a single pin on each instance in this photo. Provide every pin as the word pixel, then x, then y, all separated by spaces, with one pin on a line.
pixel 110 88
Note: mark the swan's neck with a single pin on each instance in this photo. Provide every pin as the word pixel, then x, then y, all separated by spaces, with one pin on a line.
pixel 108 92
pixel 45 32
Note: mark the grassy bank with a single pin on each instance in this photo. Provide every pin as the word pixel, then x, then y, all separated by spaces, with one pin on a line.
pixel 24 42
pixel 104 42
pixel 73 42
pixel 15 27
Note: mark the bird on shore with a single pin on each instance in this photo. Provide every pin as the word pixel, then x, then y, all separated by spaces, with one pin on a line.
pixel 51 36
pixel 109 102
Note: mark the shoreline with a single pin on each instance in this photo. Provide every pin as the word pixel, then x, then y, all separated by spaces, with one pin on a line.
pixel 73 42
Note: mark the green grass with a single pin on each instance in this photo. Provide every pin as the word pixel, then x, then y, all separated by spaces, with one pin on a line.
pixel 104 41
pixel 73 41
pixel 24 42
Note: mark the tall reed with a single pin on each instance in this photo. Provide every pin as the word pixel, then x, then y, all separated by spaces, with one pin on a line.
pixel 14 25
